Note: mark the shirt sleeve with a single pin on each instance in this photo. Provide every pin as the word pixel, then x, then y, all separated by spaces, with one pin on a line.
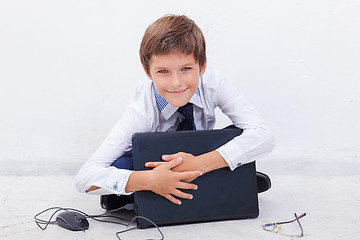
pixel 256 140
pixel 97 170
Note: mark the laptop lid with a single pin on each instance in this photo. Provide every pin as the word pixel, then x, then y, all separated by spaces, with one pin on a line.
pixel 222 194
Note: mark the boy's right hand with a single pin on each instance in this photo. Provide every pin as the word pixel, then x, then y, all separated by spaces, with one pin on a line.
pixel 167 183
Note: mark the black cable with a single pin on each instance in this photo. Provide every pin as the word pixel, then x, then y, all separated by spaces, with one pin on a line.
pixel 162 235
pixel 40 222
pixel 94 217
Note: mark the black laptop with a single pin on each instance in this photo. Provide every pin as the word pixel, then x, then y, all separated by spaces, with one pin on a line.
pixel 222 194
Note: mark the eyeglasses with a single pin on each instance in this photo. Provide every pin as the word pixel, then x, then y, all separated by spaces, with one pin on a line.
pixel 276 227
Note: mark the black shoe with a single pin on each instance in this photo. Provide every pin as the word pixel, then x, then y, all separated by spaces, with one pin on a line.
pixel 263 182
pixel 111 202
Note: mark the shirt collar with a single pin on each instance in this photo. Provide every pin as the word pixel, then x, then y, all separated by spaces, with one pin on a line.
pixel 167 110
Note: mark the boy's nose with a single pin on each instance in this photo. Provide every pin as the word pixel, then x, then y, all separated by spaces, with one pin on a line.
pixel 176 80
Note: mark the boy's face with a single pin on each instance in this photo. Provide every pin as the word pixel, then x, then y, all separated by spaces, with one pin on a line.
pixel 175 76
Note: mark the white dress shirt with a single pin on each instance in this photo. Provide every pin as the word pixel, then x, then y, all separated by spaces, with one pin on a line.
pixel 149 112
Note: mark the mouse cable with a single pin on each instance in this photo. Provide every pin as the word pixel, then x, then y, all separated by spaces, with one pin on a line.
pixel 40 222
pixel 126 230
pixel 49 221
pixel 132 220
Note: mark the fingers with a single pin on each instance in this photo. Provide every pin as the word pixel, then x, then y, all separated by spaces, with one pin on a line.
pixel 153 164
pixel 170 157
pixel 177 193
pixel 189 175
pixel 185 185
pixel 181 194
pixel 169 183
pixel 172 199
pixel 173 163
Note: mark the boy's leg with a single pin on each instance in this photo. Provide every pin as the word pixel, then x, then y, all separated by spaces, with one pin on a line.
pixel 114 201
pixel 263 180
pixel 124 162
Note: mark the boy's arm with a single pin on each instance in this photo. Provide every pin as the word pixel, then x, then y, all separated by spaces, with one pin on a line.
pixel 97 176
pixel 162 180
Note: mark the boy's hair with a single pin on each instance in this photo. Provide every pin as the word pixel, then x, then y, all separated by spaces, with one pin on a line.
pixel 169 34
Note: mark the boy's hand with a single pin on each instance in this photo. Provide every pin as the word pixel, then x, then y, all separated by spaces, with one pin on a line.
pixel 205 162
pixel 188 163
pixel 166 182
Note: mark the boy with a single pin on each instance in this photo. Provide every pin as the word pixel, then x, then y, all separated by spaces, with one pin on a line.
pixel 181 95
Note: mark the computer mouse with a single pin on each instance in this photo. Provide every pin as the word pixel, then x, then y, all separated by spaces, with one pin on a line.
pixel 72 220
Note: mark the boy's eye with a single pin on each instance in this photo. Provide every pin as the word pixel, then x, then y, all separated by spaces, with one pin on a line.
pixel 186 69
pixel 162 71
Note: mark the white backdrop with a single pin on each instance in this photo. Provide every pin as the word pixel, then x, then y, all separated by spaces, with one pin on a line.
pixel 68 68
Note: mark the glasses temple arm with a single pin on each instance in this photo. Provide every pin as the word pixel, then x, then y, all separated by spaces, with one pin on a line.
pixel 296 219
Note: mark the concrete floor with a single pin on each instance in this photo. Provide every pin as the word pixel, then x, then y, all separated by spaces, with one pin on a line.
pixel 325 186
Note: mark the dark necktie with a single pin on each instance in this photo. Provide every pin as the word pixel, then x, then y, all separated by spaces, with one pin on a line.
pixel 188 122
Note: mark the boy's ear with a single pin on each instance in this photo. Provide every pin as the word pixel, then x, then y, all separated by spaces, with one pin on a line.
pixel 147 74
pixel 203 68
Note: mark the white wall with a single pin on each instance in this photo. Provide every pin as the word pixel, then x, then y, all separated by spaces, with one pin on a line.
pixel 68 68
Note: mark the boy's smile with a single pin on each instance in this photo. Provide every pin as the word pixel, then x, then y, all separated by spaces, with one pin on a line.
pixel 175 76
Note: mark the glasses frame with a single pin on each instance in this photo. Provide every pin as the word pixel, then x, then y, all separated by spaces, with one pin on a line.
pixel 276 226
